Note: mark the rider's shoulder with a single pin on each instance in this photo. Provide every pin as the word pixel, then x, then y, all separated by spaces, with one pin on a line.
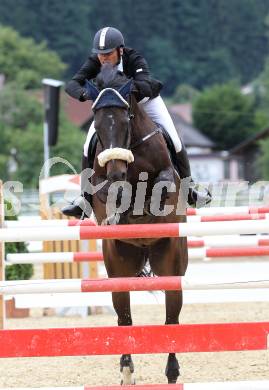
pixel 131 54
pixel 130 51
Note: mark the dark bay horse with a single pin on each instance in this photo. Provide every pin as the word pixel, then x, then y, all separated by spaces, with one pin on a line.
pixel 133 161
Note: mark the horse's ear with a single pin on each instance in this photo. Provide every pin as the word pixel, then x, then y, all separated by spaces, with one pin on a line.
pixel 126 89
pixel 91 90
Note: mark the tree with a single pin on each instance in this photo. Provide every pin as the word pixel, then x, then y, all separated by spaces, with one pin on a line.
pixel 261 93
pixel 166 66
pixel 29 156
pixel 25 62
pixel 225 115
pixel 18 110
pixel 21 127
pixel 212 40
pixel 185 93
pixel 22 112
pixel 261 89
pixel 64 26
pixel 263 160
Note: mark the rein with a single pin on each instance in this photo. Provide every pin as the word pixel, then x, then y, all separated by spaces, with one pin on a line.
pixel 157 130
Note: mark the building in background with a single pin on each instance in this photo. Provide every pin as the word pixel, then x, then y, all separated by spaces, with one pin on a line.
pixel 245 156
pixel 207 163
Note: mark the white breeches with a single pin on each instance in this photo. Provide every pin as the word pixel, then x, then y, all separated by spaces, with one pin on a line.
pixel 157 111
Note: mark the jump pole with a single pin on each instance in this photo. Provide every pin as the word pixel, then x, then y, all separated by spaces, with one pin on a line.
pixel 119 340
pixel 138 387
pixel 135 231
pixel 229 241
pixel 226 217
pixel 219 253
pixel 59 223
pixel 168 283
pixel 228 210
pixel 240 385
pixel 90 222
pixel 53 257
pixel 74 257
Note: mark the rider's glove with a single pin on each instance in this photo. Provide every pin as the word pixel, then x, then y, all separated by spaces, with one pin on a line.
pixel 85 96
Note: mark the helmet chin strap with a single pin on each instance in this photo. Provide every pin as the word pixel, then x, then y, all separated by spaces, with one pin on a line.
pixel 119 56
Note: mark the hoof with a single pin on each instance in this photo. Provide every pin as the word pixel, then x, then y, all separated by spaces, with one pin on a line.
pixel 127 378
pixel 173 380
pixel 172 376
pixel 172 369
pixel 128 384
pixel 127 370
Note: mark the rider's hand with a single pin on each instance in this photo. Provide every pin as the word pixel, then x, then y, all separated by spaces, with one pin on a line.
pixel 85 96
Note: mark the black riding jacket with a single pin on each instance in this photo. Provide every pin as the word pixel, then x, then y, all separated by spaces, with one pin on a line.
pixel 134 66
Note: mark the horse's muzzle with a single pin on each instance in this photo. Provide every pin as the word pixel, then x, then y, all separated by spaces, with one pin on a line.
pixel 116 170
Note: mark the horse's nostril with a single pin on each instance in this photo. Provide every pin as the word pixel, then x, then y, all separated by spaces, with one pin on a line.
pixel 116 176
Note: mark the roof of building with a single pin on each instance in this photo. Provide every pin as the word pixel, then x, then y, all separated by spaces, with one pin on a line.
pixel 184 110
pixel 250 141
pixel 191 136
pixel 77 112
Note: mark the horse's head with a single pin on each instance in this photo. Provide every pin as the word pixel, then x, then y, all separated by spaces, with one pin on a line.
pixel 111 120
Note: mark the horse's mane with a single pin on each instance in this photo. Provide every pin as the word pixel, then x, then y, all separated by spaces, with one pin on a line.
pixel 110 77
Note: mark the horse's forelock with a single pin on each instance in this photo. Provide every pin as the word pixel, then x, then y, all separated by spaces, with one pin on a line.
pixel 110 77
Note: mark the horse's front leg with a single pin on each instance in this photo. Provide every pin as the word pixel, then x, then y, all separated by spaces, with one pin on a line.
pixel 173 307
pixel 121 303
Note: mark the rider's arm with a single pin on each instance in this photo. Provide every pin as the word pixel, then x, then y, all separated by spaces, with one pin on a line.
pixel 88 71
pixel 145 85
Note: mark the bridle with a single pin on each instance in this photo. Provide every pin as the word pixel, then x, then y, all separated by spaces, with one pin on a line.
pixel 119 101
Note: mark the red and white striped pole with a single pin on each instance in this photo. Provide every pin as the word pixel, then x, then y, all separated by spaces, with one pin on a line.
pixel 203 253
pixel 73 257
pixel 226 217
pixel 33 223
pixel 230 241
pixel 168 283
pixel 134 231
pixel 53 257
pixel 116 340
pixel 89 222
pixel 228 210
pixel 240 385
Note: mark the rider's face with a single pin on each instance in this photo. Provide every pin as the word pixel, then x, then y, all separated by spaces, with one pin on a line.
pixel 111 57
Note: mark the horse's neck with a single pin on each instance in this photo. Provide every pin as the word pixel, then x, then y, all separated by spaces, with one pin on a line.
pixel 141 123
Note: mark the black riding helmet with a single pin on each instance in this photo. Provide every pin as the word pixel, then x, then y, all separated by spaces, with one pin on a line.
pixel 106 40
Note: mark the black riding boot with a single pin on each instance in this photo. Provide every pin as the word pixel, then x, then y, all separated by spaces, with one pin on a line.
pixel 81 207
pixel 195 198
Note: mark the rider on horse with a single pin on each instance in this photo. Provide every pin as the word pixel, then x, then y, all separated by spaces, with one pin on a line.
pixel 108 46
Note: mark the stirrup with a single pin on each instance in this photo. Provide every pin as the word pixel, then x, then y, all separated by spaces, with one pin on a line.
pixel 199 199
pixel 76 208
